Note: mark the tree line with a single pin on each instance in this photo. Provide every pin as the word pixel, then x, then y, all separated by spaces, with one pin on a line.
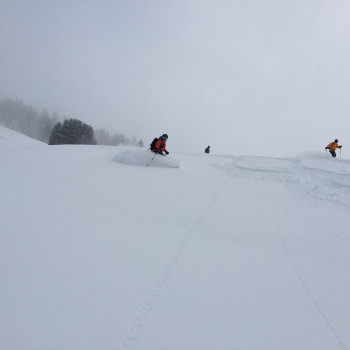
pixel 26 119
pixel 40 125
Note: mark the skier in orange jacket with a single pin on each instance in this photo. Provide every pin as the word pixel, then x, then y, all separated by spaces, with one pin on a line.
pixel 332 147
pixel 159 146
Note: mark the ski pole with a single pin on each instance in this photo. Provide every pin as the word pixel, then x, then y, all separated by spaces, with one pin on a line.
pixel 151 160
pixel 340 152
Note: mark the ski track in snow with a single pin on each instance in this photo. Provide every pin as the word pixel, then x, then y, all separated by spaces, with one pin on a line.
pixel 295 269
pixel 311 297
pixel 302 177
pixel 148 304
pixel 318 178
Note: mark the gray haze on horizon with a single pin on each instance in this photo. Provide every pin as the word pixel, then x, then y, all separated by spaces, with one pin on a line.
pixel 246 77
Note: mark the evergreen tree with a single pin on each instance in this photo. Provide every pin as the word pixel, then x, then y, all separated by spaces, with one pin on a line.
pixel 56 136
pixel 72 132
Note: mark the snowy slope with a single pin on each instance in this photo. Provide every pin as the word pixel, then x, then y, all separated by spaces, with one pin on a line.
pixel 99 251
pixel 12 137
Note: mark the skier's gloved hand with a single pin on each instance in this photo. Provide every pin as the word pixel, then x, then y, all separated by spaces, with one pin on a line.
pixel 340 146
pixel 326 148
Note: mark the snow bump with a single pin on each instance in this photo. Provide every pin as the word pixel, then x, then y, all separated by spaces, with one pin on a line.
pixel 140 157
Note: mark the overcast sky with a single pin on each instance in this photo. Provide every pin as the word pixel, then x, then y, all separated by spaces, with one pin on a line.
pixel 250 77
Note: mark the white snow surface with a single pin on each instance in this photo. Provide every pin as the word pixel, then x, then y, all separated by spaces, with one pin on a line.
pixel 222 252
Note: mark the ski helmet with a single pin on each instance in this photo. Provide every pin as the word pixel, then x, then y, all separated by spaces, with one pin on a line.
pixel 336 140
pixel 165 136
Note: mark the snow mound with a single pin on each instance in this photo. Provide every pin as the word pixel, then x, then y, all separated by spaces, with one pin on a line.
pixel 140 157
pixel 333 166
pixel 323 162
